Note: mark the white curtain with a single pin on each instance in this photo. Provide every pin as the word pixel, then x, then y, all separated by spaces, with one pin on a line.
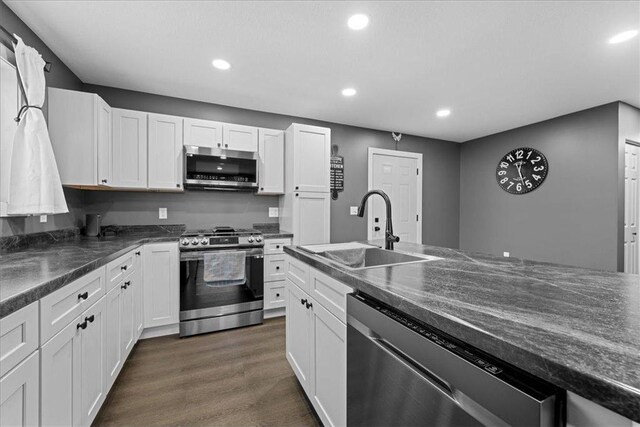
pixel 34 185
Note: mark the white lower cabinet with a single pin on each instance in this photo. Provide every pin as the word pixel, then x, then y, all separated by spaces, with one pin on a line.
pixel 20 394
pixel 138 293
pixel 113 304
pixel 161 284
pixel 316 347
pixel 73 381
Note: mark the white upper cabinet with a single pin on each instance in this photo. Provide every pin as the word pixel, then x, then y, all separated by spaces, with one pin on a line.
pixel 129 148
pixel 165 152
pixel 308 149
pixel 80 132
pixel 310 218
pixel 239 138
pixel 271 167
pixel 202 133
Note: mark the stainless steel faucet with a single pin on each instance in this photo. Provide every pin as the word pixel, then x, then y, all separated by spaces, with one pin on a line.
pixel 389 238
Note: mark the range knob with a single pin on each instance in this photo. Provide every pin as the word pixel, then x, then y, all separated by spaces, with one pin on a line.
pixel 194 241
pixel 184 242
pixel 250 239
pixel 258 239
pixel 204 241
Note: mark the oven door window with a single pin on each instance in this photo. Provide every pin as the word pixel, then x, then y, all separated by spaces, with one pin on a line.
pixel 217 168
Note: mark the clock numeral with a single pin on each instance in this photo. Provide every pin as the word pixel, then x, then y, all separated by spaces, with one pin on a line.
pixel 503 180
pixel 528 184
pixel 510 185
pixel 536 177
pixel 504 165
pixel 529 155
pixel 519 154
pixel 519 187
pixel 502 172
pixel 536 160
pixel 538 168
pixel 510 158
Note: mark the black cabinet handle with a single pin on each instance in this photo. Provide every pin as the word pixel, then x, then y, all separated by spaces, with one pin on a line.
pixel 303 301
pixel 90 319
pixel 178 185
pixel 123 268
pixel 138 253
pixel 82 325
pixel 128 283
pixel 104 181
pixel 83 295
pixel 308 304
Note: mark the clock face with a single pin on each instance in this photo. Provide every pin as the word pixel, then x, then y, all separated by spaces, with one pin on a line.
pixel 522 170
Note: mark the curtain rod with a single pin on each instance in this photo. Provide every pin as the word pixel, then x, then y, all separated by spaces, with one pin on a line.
pixel 47 65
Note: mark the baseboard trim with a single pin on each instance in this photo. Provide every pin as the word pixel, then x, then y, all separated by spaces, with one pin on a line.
pixel 274 312
pixel 160 331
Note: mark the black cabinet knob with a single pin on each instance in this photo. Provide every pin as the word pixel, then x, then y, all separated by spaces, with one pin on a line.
pixel 84 295
pixel 297 187
pixel 308 304
pixel 277 246
pixel 82 325
pixel 104 181
pixel 226 145
pixel 178 185
pixel 277 267
pixel 138 253
pixel 219 145
pixel 128 283
pixel 303 301
pixel 123 268
pixel 261 188
pixel 90 319
pixel 277 295
pixel 297 194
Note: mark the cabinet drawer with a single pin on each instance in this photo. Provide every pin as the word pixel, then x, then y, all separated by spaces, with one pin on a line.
pixel 275 246
pixel 119 268
pixel 18 336
pixel 298 272
pixel 65 304
pixel 329 293
pixel 274 267
pixel 274 294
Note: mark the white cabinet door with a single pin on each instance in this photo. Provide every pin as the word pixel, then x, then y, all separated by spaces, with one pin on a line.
pixel 92 362
pixel 127 328
pixel 129 148
pixel 328 386
pixel 311 153
pixel 113 321
pixel 161 284
pixel 202 133
pixel 20 394
pixel 240 138
pixel 298 337
pixel 165 152
pixel 138 297
pixel 271 167
pixel 311 212
pixel 105 126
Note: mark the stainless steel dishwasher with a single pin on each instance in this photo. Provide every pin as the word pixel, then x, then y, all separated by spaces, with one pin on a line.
pixel 401 372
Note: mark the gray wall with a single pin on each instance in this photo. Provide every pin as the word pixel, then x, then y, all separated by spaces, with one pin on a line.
pixel 441 176
pixel 572 218
pixel 60 76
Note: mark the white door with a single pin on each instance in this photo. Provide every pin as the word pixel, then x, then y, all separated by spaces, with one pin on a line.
pixel 311 212
pixel 105 127
pixel 240 138
pixel 161 284
pixel 631 208
pixel 113 321
pixel 92 363
pixel 20 394
pixel 127 328
pixel 9 106
pixel 329 361
pixel 312 149
pixel 271 167
pixel 129 148
pixel 138 301
pixel 298 333
pixel 202 133
pixel 165 152
pixel 399 175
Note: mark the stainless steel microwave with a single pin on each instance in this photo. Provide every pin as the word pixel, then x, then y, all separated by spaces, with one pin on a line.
pixel 208 168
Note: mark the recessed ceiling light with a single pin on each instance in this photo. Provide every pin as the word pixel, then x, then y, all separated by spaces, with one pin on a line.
pixel 443 113
pixel 358 21
pixel 221 64
pixel 348 91
pixel 623 37
pixel 219 168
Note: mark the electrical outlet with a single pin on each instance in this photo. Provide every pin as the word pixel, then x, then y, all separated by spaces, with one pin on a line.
pixel 506 254
pixel 162 213
pixel 43 218
pixel 273 213
pixel 353 210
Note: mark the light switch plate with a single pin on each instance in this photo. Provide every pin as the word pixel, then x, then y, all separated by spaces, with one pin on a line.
pixel 273 213
pixel 162 213
pixel 506 254
pixel 353 210
pixel 43 218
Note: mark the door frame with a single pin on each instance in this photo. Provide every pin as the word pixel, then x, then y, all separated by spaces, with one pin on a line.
pixel 406 154
pixel 623 204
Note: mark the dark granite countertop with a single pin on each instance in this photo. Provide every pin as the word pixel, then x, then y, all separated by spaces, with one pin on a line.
pixel 30 273
pixel 576 328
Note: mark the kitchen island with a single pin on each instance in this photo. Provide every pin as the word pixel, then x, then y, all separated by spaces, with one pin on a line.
pixel 576 328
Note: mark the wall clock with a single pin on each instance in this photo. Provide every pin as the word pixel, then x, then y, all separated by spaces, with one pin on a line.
pixel 522 170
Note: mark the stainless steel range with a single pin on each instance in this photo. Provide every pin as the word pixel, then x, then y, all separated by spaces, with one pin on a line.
pixel 208 301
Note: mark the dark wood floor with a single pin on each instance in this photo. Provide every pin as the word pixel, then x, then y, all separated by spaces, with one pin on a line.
pixel 232 378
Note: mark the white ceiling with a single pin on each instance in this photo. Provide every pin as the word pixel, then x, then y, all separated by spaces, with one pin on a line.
pixel 496 65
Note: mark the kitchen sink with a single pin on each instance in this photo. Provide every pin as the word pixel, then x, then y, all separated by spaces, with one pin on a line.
pixel 371 257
